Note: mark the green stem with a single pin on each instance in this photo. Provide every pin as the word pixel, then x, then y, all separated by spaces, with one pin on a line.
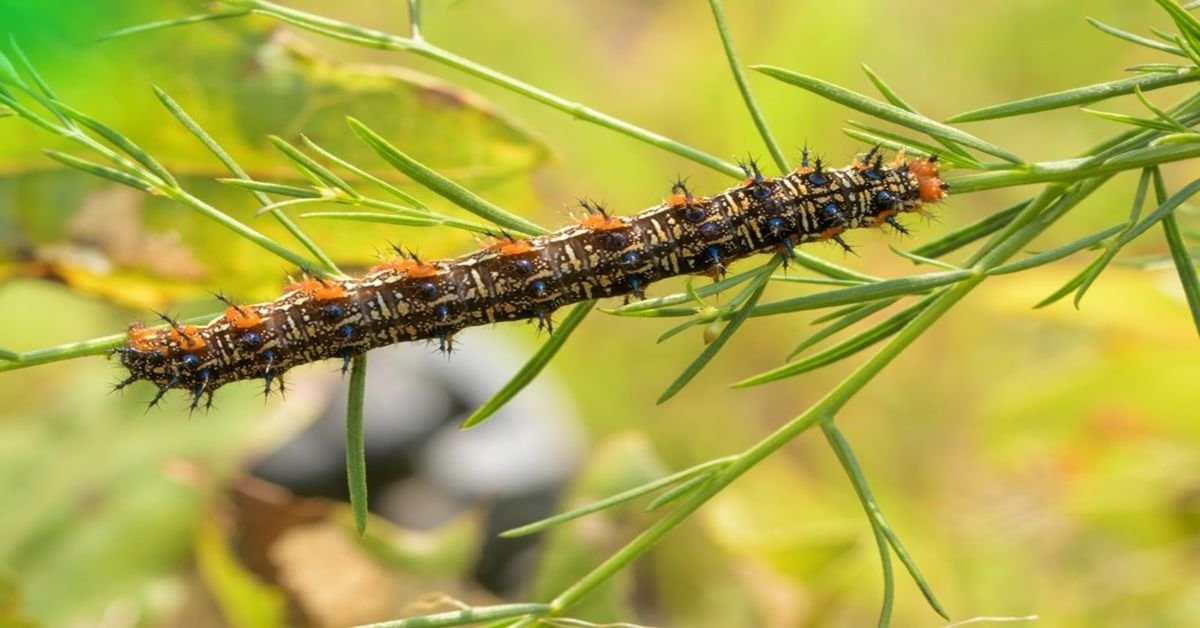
pixel 1071 170
pixel 421 47
pixel 879 525
pixel 225 158
pixel 356 456
pixel 743 85
pixel 239 228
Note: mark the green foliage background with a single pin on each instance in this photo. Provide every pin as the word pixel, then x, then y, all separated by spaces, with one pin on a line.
pixel 1034 461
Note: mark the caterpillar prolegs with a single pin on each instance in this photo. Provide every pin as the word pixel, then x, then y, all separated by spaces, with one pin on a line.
pixel 602 255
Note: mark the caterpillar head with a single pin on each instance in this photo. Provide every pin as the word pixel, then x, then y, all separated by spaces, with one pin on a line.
pixel 930 184
pixel 168 358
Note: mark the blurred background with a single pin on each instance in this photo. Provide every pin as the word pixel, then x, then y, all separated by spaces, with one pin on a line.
pixel 1034 461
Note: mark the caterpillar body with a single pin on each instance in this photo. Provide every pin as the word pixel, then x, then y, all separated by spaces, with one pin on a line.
pixel 406 298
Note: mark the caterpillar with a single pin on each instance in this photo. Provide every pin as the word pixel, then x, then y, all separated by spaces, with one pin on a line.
pixel 603 255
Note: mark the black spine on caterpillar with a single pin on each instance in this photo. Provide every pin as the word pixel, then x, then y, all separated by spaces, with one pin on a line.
pixel 603 255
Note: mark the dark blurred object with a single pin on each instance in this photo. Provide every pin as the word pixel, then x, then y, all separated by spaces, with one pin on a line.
pixel 422 470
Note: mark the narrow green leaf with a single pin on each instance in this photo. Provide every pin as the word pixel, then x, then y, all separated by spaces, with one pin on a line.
pixel 272 188
pixel 886 111
pixel 24 112
pixel 977 230
pixel 683 297
pixel 680 328
pixel 1082 281
pixel 1162 211
pixel 845 455
pixel 705 314
pixel 1185 266
pixel 679 490
pixel 1057 253
pixel 889 579
pixel 388 219
pixel 1163 35
pixel 277 207
pixel 1188 25
pixel 665 312
pixel 308 164
pixel 356 453
pixel 441 185
pixel 1077 96
pixel 897 142
pixel 816 281
pixel 739 78
pixel 191 19
pixel 880 290
pixel 379 41
pixel 1159 68
pixel 758 285
pixel 329 268
pixel 118 140
pixel 844 349
pixel 387 187
pixel 1074 170
pixel 8 73
pixel 466 616
pixel 829 269
pixel 409 219
pixel 399 209
pixel 619 498
pixel 838 313
pixel 1072 284
pixel 1145 123
pixel 1159 113
pixel 45 96
pixel 1190 44
pixel 1190 137
pixel 922 260
pixel 196 130
pixel 1136 39
pixel 858 313
pixel 376 39
pixel 98 170
pixel 11 356
pixel 895 99
pixel 886 91
pixel 533 367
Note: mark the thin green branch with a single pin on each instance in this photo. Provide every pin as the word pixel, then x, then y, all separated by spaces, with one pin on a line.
pixel 739 77
pixel 753 291
pixel 232 165
pixel 1185 266
pixel 901 286
pixel 1076 97
pixel 530 370
pixel 857 313
pixel 886 111
pixel 386 41
pixel 356 448
pixel 1136 39
pixel 619 498
pixel 164 24
pixel 444 187
pixel 845 455
pixel 1071 170
pixel 466 616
